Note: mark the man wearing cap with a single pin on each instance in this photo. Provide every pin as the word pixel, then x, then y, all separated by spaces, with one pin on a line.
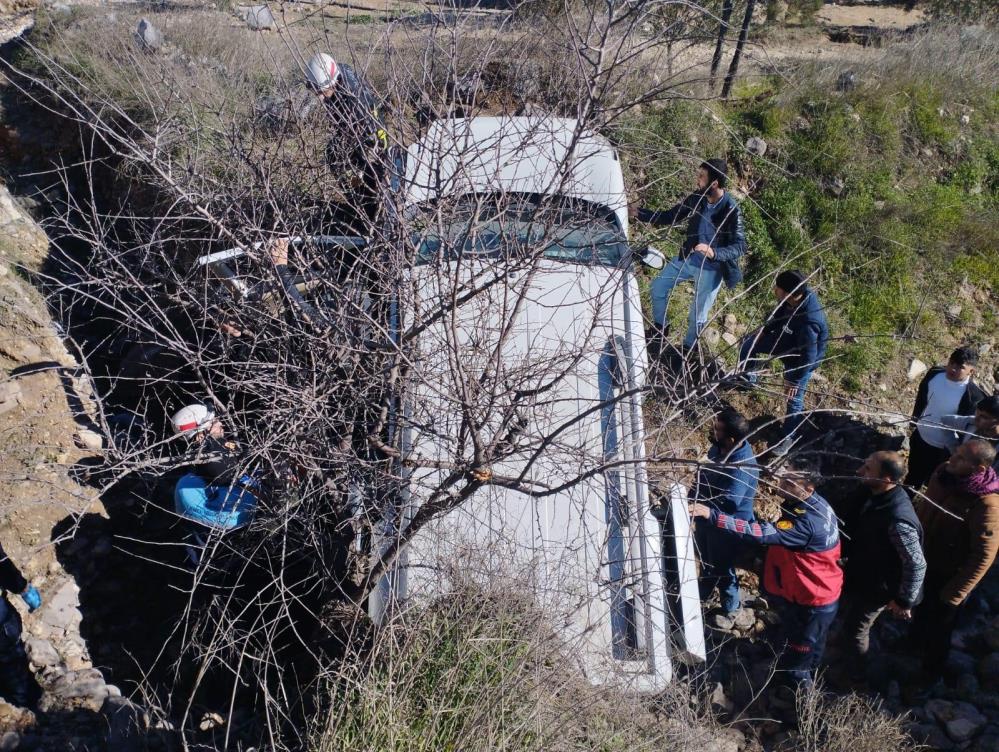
pixel 796 334
pixel 710 254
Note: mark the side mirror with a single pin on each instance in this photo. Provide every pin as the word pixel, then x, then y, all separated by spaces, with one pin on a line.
pixel 651 257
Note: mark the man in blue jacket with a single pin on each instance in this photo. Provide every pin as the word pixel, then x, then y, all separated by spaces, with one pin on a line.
pixel 710 254
pixel 797 334
pixel 728 485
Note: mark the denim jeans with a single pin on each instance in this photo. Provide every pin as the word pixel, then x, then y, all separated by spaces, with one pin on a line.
pixel 718 551
pixel 707 283
pixel 753 347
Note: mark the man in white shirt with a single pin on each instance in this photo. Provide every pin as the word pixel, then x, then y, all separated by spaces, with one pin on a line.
pixel 944 391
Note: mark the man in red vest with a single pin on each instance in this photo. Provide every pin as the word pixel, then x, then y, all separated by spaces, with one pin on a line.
pixel 801 573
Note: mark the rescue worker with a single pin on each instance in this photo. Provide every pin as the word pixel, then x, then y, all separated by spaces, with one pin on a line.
pixel 710 254
pixel 944 390
pixel 358 147
pixel 801 569
pixel 728 484
pixel 960 517
pixel 15 676
pixel 983 425
pixel 216 493
pixel 797 334
pixel 885 566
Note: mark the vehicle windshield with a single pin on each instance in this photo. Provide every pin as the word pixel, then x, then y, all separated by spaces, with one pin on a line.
pixel 519 226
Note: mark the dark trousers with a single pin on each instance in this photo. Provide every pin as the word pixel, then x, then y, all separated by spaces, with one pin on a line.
pixel 933 624
pixel 923 460
pixel 859 620
pixel 718 552
pixel 804 632
pixel 15 677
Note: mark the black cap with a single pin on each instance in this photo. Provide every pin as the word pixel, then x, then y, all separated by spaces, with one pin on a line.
pixel 791 281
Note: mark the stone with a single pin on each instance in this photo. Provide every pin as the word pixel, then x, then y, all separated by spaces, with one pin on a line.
pixel 916 369
pixel 711 336
pixel 722 622
pixel 756 146
pixel 210 721
pixel 258 17
pixel 939 710
pixel 61 612
pixel 127 724
pixel 730 339
pixel 988 671
pixel 84 438
pixel 965 120
pixel 744 618
pixel 10 741
pixel 991 634
pixel 147 36
pixel 41 652
pixel 930 735
pixel 730 322
pixel 724 740
pixel 954 312
pixel 13 718
pixel 964 728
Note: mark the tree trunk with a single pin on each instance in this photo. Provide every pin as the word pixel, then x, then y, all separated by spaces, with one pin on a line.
pixel 720 44
pixel 733 68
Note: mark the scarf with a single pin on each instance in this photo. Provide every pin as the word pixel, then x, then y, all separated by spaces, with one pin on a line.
pixel 981 484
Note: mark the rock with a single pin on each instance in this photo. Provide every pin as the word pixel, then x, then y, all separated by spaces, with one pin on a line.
pixel 846 81
pixel 931 735
pixel 965 120
pixel 724 740
pixel 127 724
pixel 210 721
pixel 41 652
pixel 964 728
pixel 744 618
pixel 61 612
pixel 711 336
pixel 959 663
pixel 258 17
pixel 10 396
pixel 13 718
pixel 954 312
pixel 939 710
pixel 916 369
pixel 10 741
pixel 991 634
pixel 730 322
pixel 756 146
pixel 986 743
pixel 837 186
pixel 147 36
pixel 988 671
pixel 722 622
pixel 730 339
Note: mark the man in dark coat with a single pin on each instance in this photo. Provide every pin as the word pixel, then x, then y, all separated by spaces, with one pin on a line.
pixel 885 566
pixel 728 484
pixel 711 252
pixel 797 334
pixel 15 676
pixel 944 391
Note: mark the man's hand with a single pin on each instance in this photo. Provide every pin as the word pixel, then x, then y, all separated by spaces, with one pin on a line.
pixel 705 250
pixel 279 252
pixel 699 510
pixel 898 612
pixel 790 390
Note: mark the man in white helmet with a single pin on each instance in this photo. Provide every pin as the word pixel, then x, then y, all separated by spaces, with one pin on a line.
pixel 215 492
pixel 358 146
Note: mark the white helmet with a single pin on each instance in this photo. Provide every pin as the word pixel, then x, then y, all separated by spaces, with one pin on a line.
pixel 192 419
pixel 322 72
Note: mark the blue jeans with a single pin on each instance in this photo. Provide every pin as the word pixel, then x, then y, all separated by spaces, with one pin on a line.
pixel 753 346
pixel 803 637
pixel 707 283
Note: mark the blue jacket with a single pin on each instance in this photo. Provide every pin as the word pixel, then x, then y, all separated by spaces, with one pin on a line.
pixel 730 240
pixel 730 489
pixel 224 507
pixel 799 335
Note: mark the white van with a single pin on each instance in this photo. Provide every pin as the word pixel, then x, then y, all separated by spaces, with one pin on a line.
pixel 543 346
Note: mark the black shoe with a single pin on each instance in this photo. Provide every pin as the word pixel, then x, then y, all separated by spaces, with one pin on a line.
pixel 655 340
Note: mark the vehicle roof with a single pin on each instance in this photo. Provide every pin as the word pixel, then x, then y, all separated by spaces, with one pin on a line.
pixel 515 154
